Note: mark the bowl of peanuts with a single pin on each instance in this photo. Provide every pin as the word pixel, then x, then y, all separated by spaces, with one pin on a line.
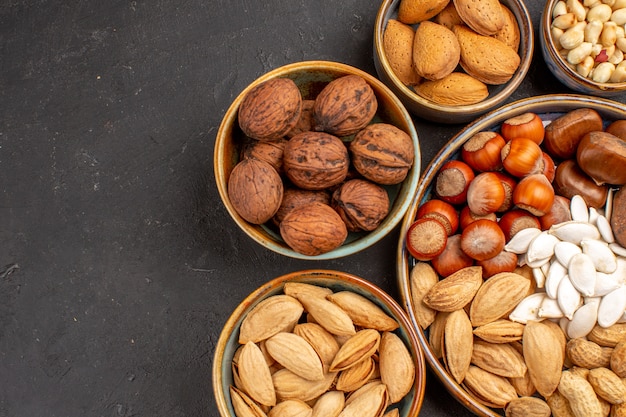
pixel 450 62
pixel 500 312
pixel 583 44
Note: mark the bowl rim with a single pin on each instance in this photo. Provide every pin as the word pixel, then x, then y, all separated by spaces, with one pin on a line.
pixel 542 104
pixel 527 41
pixel 256 232
pixel 316 276
pixel 553 55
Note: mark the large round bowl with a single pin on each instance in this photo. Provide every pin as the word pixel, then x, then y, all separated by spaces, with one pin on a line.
pixel 227 343
pixel 311 77
pixel 565 72
pixel 432 111
pixel 548 107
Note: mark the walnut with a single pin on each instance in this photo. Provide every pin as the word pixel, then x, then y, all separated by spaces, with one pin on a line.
pixel 313 229
pixel 361 204
pixel 315 160
pixel 382 153
pixel 270 151
pixel 255 190
pixel 270 109
pixel 344 106
pixel 296 197
pixel 306 122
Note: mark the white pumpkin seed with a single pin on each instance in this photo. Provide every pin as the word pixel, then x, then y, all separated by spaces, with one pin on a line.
pixel 612 307
pixel 540 278
pixel 604 227
pixel 579 209
pixel 568 297
pixel 602 256
pixel 605 283
pixel 563 251
pixel 554 277
pixel 573 231
pixel 541 247
pixel 528 308
pixel 550 309
pixel 520 241
pixel 582 273
pixel 583 320
pixel 617 249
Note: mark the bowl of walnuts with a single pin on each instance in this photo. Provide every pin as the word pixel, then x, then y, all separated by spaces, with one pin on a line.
pixel 452 61
pixel 316 160
pixel 318 342
pixel 492 250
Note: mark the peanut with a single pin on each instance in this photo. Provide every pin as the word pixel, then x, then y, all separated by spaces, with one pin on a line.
pixel 607 385
pixel 580 394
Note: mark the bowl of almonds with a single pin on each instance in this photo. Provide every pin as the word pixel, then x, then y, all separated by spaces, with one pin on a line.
pixel 318 343
pixel 511 259
pixel 316 160
pixel 583 44
pixel 452 61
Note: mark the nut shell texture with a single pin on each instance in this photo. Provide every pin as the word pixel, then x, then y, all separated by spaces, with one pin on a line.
pixel 255 190
pixel 362 204
pixel 313 229
pixel 382 153
pixel 345 105
pixel 271 109
pixel 315 160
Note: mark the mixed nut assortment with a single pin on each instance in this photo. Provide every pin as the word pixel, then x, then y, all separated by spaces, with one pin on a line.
pixel 589 35
pixel 312 351
pixel 520 266
pixel 317 168
pixel 449 52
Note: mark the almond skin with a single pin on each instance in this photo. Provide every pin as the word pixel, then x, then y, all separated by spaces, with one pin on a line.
pixel 398 46
pixel 436 51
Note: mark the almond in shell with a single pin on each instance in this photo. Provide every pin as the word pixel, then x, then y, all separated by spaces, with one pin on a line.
pixel 483 16
pixel 500 331
pixel 455 291
pixel 491 389
pixel 458 342
pixel 397 370
pixel 328 315
pixel 358 347
pixel 272 315
pixel 255 376
pixel 528 407
pixel 487 59
pixel 329 404
pixel 456 89
pixel 436 51
pixel 296 354
pixel 500 359
pixel 543 355
pixel 498 295
pixel 415 11
pixel 363 312
pixel 288 385
pixel 422 278
pixel 398 47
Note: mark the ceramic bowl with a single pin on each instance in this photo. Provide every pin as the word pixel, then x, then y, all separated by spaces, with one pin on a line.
pixel 563 71
pixel 434 112
pixel 548 107
pixel 311 77
pixel 227 343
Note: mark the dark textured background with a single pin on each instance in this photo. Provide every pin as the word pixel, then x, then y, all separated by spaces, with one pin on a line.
pixel 118 263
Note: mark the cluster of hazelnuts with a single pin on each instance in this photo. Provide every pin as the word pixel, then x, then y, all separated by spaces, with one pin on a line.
pixel 316 168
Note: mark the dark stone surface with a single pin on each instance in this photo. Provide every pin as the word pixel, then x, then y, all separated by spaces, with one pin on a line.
pixel 118 263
